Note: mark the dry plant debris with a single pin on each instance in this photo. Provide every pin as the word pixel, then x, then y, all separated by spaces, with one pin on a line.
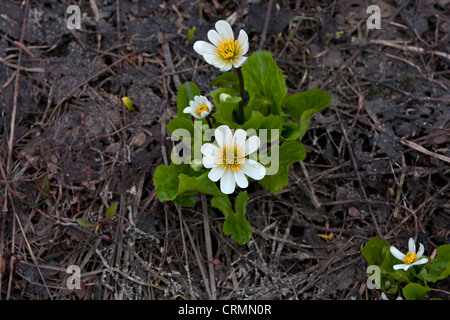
pixel 377 164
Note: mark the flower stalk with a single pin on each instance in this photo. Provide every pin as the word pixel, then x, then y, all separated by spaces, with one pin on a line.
pixel 208 119
pixel 241 115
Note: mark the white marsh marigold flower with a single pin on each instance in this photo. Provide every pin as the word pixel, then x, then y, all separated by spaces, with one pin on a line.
pixel 200 107
pixel 225 51
pixel 227 159
pixel 411 258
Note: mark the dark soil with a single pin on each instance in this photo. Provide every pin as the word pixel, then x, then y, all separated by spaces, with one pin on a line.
pixel 377 164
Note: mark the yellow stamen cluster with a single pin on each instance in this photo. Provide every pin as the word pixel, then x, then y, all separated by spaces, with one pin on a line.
pixel 201 108
pixel 230 157
pixel 410 258
pixel 228 50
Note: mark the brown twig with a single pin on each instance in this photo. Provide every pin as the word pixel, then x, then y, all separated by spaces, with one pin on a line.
pixel 168 58
pixel 266 25
pixel 11 143
pixel 374 220
pixel 209 254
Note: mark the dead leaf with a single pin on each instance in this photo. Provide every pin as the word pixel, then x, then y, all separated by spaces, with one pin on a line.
pixel 353 212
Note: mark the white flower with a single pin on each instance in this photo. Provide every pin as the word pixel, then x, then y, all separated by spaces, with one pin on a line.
pixel 411 258
pixel 225 51
pixel 200 107
pixel 227 159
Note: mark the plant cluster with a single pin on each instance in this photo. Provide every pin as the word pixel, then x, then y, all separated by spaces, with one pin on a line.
pixel 256 125
pixel 411 272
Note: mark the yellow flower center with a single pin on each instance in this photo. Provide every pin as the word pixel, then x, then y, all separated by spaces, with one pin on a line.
pixel 230 157
pixel 229 50
pixel 410 258
pixel 201 108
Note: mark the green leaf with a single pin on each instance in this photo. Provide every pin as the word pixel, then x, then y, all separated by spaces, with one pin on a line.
pixel 254 121
pixel 190 33
pixel 192 185
pixel 302 106
pixel 265 84
pixel 290 131
pixel 185 201
pixel 222 202
pixel 47 183
pixel 85 223
pixel 289 152
pixel 375 251
pixel 439 267
pixel 268 123
pixel 166 179
pixel 415 291
pixel 111 211
pixel 227 80
pixel 225 110
pixel 186 93
pixel 236 223
pixel 176 126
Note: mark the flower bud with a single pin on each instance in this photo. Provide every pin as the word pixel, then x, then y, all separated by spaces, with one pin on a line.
pixel 224 96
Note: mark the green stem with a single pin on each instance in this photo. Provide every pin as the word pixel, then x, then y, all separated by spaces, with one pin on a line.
pixel 242 94
pixel 209 121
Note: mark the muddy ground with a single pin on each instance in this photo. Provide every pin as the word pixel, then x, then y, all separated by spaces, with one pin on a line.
pixel 377 163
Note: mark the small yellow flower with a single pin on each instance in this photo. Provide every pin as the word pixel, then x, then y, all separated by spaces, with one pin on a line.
pixel 200 107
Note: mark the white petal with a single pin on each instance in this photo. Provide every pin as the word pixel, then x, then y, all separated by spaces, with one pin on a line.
pixel 203 100
pixel 241 180
pixel 198 100
pixel 211 59
pixel 239 62
pixel 195 115
pixel 254 169
pixel 227 67
pixel 405 267
pixel 421 251
pixel 396 253
pixel 219 64
pixel 421 261
pixel 252 144
pixel 223 135
pixel 209 105
pixel 188 110
pixel 204 114
pixel 411 245
pixel 239 138
pixel 209 150
pixel 215 174
pixel 193 104
pixel 203 47
pixel 209 162
pixel 243 42
pixel 227 182
pixel 214 37
pixel 224 29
